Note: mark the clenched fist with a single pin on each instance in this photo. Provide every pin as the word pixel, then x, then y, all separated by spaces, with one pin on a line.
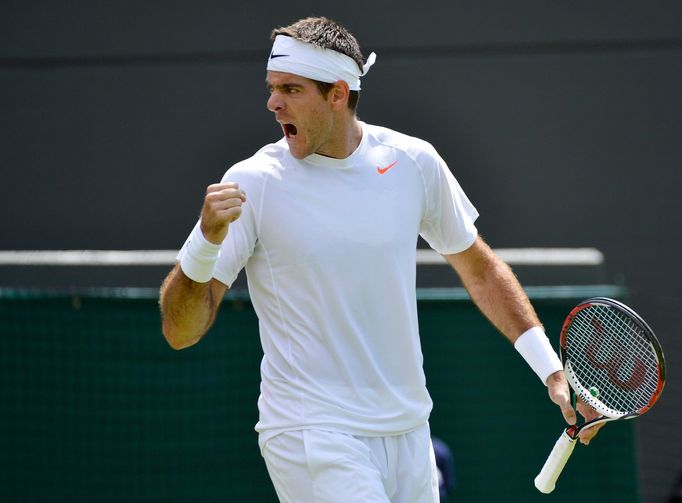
pixel 222 206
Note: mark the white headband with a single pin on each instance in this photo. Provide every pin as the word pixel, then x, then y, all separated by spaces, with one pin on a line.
pixel 307 60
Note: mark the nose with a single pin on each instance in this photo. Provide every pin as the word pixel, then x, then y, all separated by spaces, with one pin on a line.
pixel 275 102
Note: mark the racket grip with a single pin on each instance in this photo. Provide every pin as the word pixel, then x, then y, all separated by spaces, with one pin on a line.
pixel 546 479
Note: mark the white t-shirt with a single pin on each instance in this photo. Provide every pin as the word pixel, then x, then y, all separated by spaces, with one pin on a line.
pixel 329 247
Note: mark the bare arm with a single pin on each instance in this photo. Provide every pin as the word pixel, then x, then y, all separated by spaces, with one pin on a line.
pixel 498 294
pixel 188 307
pixel 494 289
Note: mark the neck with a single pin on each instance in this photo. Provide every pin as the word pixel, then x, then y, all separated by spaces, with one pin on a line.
pixel 346 138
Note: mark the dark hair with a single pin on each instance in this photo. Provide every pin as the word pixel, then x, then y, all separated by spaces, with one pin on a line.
pixel 326 34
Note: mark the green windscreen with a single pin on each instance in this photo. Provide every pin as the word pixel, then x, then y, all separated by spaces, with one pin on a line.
pixel 97 407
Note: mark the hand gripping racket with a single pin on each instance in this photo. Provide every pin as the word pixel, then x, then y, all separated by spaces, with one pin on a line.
pixel 613 362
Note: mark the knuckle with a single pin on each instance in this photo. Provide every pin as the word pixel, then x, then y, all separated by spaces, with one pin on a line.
pixel 211 196
pixel 217 187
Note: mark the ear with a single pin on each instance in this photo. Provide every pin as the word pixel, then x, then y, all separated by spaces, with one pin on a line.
pixel 338 96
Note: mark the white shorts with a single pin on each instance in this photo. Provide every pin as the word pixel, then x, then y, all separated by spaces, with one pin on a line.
pixel 314 466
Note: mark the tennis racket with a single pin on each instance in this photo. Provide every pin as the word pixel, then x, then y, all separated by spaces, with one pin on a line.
pixel 613 362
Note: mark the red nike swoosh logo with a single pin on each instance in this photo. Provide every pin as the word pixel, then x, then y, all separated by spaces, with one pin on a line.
pixel 381 170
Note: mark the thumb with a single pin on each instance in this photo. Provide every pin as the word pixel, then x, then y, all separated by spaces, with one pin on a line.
pixel 568 412
pixel 557 387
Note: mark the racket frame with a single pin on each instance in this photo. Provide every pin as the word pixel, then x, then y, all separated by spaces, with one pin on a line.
pixel 563 448
pixel 577 389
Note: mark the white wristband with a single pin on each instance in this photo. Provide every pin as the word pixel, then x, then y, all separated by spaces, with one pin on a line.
pixel 535 348
pixel 200 257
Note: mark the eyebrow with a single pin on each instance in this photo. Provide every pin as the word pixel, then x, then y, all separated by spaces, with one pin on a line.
pixel 270 87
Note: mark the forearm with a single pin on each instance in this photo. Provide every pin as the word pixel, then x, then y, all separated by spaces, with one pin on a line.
pixel 188 309
pixel 190 296
pixel 494 289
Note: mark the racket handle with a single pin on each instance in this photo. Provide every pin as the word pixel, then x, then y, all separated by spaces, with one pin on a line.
pixel 546 479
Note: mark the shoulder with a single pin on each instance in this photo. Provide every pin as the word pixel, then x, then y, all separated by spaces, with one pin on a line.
pixel 416 148
pixel 261 165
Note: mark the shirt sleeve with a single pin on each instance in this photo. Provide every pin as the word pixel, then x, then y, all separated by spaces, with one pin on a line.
pixel 448 222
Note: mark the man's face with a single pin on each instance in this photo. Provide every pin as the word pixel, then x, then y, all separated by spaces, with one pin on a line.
pixel 303 112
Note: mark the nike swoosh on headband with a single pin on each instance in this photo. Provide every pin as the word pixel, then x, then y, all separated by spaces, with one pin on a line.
pixel 273 56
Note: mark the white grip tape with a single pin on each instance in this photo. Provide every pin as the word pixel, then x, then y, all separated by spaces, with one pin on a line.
pixel 535 348
pixel 546 479
pixel 200 257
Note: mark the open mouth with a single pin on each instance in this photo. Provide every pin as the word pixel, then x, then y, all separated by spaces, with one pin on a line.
pixel 289 130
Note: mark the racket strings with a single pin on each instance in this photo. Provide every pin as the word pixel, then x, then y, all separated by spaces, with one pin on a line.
pixel 612 357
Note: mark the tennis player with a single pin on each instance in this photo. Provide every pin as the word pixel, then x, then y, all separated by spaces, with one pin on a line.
pixel 326 222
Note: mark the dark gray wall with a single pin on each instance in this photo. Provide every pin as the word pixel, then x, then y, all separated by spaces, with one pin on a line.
pixel 561 121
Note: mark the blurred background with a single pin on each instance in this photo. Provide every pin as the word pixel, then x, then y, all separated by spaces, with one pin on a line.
pixel 562 121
